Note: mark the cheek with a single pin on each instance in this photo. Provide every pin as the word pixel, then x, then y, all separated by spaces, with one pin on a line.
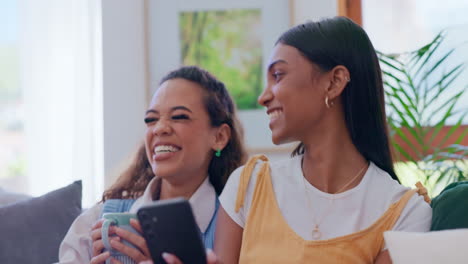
pixel 199 138
pixel 290 87
pixel 193 135
pixel 148 137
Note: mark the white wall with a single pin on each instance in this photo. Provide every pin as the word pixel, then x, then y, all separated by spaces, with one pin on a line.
pixel 304 10
pixel 124 81
pixel 125 76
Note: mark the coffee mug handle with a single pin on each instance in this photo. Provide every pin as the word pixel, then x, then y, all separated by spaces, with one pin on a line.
pixel 105 233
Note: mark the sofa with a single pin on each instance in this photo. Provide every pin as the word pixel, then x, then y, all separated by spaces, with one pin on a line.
pixel 32 228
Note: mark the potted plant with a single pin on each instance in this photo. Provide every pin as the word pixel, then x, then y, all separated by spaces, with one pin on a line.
pixel 421 98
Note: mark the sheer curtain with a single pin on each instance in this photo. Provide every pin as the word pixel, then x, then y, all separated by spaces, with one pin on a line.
pixel 61 82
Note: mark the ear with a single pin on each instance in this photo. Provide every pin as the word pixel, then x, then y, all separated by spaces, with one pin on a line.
pixel 339 78
pixel 222 136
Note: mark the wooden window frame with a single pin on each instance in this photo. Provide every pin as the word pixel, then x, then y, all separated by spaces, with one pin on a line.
pixel 351 9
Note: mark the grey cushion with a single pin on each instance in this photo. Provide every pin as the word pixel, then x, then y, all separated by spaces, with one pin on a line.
pixel 31 230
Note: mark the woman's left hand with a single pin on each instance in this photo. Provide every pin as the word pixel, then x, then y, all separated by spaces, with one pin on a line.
pixel 141 252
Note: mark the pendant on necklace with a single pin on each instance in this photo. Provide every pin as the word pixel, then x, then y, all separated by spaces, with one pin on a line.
pixel 316 234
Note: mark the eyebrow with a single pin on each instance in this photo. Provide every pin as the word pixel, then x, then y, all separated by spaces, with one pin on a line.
pixel 179 107
pixel 276 62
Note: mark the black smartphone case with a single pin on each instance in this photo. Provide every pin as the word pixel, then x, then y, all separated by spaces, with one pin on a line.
pixel 169 226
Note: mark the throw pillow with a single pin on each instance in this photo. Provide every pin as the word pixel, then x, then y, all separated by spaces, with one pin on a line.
pixel 33 229
pixel 450 207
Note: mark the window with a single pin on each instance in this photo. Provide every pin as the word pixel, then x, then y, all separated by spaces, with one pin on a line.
pixel 50 97
pixel 12 141
pixel 406 25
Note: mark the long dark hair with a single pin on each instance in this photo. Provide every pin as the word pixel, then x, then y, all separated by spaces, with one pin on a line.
pixel 221 110
pixel 133 181
pixel 340 41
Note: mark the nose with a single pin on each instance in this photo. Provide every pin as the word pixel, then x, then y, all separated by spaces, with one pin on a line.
pixel 265 97
pixel 162 127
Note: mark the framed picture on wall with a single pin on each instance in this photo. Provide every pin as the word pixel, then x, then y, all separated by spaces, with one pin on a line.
pixel 231 39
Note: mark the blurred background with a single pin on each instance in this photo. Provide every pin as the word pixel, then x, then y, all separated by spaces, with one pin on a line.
pixel 76 77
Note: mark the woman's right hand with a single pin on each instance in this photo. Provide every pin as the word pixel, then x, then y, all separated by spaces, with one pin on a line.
pixel 98 256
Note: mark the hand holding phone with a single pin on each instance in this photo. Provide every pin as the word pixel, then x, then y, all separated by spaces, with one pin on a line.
pixel 169 227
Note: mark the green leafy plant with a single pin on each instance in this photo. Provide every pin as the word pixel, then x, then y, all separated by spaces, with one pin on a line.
pixel 421 98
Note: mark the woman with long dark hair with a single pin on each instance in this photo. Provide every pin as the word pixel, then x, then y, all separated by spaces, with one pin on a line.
pixel 334 198
pixel 332 201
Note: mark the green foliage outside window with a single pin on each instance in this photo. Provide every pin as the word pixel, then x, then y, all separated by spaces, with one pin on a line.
pixel 422 99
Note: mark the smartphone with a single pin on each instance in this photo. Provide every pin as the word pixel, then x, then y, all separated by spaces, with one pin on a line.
pixel 169 226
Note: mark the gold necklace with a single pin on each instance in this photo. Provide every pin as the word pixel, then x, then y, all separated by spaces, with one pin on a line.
pixel 316 234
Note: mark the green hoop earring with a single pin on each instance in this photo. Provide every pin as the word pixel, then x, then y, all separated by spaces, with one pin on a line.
pixel 218 153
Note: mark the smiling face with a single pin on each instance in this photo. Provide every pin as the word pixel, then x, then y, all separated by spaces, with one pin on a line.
pixel 294 95
pixel 179 138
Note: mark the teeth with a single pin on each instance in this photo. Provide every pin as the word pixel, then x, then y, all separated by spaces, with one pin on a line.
pixel 165 148
pixel 274 114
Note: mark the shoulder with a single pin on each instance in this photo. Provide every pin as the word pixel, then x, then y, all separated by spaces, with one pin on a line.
pixel 415 216
pixel 230 190
pixel 89 216
pixel 277 168
pixel 282 170
pixel 244 185
pixel 384 186
pixel 395 190
pixel 76 245
pixel 85 221
pixel 82 225
pixel 286 164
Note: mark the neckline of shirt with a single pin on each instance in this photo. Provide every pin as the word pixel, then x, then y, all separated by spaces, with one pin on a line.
pixel 203 202
pixel 330 196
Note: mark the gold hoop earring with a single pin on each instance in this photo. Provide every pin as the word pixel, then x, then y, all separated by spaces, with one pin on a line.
pixel 328 104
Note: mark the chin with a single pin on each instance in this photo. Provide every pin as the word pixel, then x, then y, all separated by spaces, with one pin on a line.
pixel 161 172
pixel 277 139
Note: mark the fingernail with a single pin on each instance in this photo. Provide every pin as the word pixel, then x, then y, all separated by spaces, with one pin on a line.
pixel 167 257
pixel 211 255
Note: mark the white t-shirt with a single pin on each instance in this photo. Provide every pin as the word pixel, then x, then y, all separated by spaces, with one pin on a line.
pixel 76 247
pixel 337 214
